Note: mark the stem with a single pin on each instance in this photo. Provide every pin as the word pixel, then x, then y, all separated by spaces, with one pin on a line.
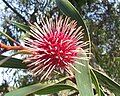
pixel 6 47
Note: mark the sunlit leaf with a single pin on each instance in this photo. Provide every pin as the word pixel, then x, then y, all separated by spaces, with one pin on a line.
pixel 83 79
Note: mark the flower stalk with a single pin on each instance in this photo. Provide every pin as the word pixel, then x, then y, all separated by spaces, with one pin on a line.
pixel 6 47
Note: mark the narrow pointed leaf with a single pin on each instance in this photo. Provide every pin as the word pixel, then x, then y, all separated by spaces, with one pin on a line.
pixel 7 36
pixel 106 81
pixel 102 93
pixel 102 78
pixel 55 88
pixel 11 62
pixel 4 60
pixel 95 82
pixel 41 88
pixel 21 26
pixel 68 9
pixel 83 79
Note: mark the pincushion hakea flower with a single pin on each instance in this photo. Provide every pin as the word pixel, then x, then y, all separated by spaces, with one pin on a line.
pixel 54 46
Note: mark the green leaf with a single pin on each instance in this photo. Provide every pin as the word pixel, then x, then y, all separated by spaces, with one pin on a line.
pixel 21 26
pixel 83 79
pixel 11 62
pixel 107 82
pixel 68 9
pixel 8 36
pixel 102 78
pixel 55 88
pixel 102 93
pixel 40 88
pixel 95 82
pixel 117 59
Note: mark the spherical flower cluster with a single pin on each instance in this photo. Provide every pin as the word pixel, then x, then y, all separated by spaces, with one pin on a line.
pixel 54 44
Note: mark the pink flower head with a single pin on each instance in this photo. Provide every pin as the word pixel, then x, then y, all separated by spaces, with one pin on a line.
pixel 54 45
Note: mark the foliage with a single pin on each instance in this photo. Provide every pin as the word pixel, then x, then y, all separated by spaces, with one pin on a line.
pixel 102 19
